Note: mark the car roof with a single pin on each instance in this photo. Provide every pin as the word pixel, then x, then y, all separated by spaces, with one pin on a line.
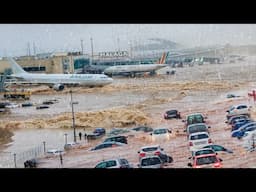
pixel 192 114
pixel 195 124
pixel 112 142
pixel 116 136
pixel 53 150
pixel 150 146
pixel 206 155
pixel 199 133
pixel 172 110
pixel 149 157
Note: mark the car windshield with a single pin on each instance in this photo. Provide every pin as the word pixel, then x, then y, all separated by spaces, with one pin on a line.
pixel 206 160
pixel 150 149
pixel 150 161
pixel 171 112
pixel 195 119
pixel 160 131
pixel 202 152
pixel 199 136
pixel 197 128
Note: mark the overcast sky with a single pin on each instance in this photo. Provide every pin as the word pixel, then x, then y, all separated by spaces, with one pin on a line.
pixel 14 38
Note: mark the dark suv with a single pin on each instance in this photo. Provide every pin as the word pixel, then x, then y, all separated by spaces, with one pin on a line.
pixel 121 139
pixel 97 133
pixel 172 114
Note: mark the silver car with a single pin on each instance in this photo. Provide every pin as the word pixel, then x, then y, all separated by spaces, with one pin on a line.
pixel 150 162
pixel 114 163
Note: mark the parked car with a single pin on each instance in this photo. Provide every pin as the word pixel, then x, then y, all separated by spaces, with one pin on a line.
pixel 117 131
pixel 107 145
pixel 235 117
pixel 172 114
pixel 54 152
pixel 239 133
pixel 143 128
pixel 218 148
pixel 32 163
pixel 206 161
pixel 203 151
pixel 71 145
pixel 42 107
pixel 120 139
pixel 159 134
pixel 97 133
pixel 241 109
pixel 194 118
pixel 11 105
pixel 27 104
pixel 198 127
pixel 249 140
pixel 114 163
pixel 150 162
pixel 155 150
pixel 239 123
pixel 198 140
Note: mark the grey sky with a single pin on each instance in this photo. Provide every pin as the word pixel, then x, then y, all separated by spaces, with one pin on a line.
pixel 14 38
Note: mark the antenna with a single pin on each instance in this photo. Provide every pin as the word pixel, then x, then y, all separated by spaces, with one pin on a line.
pixel 34 48
pixel 28 49
pixel 82 47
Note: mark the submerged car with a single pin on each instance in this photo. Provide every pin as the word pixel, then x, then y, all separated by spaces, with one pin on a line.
pixel 108 145
pixel 155 150
pixel 120 139
pixel 194 118
pixel 143 128
pixel 97 133
pixel 159 134
pixel 151 162
pixel 218 148
pixel 172 114
pixel 114 163
pixel 206 161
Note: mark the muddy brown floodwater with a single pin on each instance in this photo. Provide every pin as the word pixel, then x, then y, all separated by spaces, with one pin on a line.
pixel 131 102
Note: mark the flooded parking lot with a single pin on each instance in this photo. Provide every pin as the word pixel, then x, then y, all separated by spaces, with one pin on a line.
pixel 191 89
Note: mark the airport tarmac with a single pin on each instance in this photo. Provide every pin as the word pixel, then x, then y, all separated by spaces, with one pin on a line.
pixel 191 89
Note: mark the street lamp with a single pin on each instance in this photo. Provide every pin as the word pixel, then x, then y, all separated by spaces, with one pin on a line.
pixel 73 116
pixel 66 138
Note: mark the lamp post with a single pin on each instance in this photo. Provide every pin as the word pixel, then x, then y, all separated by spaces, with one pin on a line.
pixel 73 116
pixel 15 164
pixel 66 138
pixel 91 50
pixel 44 146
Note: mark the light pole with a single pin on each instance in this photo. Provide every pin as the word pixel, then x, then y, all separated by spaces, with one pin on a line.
pixel 66 138
pixel 91 49
pixel 73 116
pixel 44 146
pixel 15 164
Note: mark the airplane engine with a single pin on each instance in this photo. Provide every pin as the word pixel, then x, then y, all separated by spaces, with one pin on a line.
pixel 58 87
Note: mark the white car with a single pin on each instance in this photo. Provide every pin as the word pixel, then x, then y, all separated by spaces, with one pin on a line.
pixel 114 163
pixel 54 152
pixel 241 109
pixel 71 145
pixel 198 140
pixel 249 140
pixel 161 134
pixel 150 162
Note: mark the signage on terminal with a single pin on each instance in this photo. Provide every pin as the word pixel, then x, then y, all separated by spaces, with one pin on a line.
pixel 114 54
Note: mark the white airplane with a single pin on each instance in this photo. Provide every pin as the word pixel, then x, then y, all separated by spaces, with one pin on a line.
pixel 131 70
pixel 58 81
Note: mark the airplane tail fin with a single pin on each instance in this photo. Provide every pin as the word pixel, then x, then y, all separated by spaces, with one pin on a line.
pixel 163 58
pixel 16 68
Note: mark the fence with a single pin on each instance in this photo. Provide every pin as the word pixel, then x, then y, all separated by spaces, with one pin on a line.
pixel 17 160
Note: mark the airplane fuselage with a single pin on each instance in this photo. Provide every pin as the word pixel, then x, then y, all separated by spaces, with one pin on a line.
pixel 119 69
pixel 67 79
